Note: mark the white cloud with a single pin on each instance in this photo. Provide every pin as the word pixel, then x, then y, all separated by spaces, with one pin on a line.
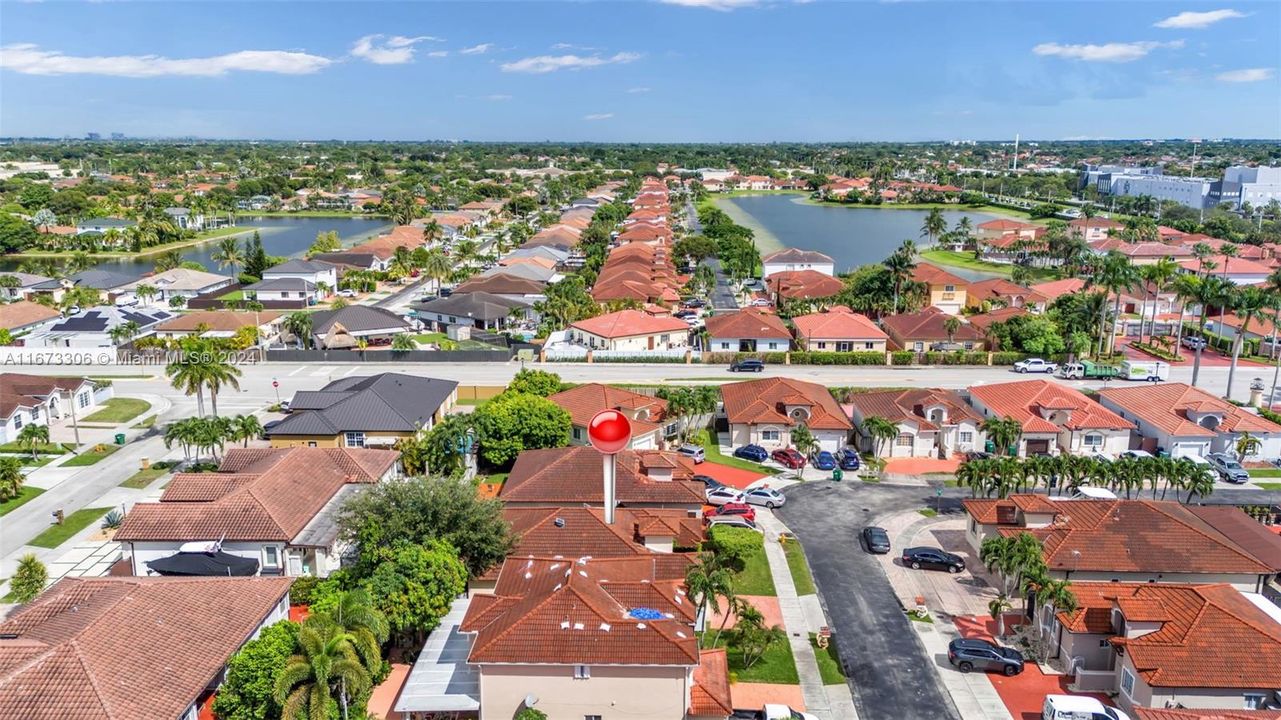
pixel 480 49
pixel 438 53
pixel 572 46
pixel 498 97
pixel 721 5
pixel 551 63
pixel 1247 75
pixel 30 59
pixel 394 50
pixel 1198 20
pixel 598 116
pixel 637 90
pixel 1108 52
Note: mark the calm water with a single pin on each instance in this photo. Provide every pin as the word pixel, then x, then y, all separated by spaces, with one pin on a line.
pixel 851 236
pixel 287 236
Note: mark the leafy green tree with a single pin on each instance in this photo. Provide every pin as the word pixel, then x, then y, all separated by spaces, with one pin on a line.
pixel 535 382
pixel 418 510
pixel 29 579
pixel 247 693
pixel 16 234
pixel 256 260
pixel 441 451
pixel 412 585
pixel 513 422
pixel 530 713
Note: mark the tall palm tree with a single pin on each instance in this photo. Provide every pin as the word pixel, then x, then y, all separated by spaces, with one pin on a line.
pixel 327 661
pixel 1248 303
pixel 355 613
pixel 879 430
pixel 708 581
pixel 190 379
pixel 246 428
pixel 299 325
pixel 934 225
pixel 1156 280
pixel 228 253
pixel 124 332
pixel 1187 289
pixel 1115 274
pixel 900 264
pixel 1202 251
pixel 1228 251
pixel 218 372
pixel 32 436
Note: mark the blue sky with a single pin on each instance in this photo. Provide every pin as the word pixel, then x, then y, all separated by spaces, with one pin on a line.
pixel 684 70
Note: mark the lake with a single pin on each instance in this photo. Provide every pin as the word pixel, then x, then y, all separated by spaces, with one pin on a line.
pixel 852 236
pixel 285 236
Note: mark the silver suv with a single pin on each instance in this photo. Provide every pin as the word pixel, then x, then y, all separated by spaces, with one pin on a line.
pixel 1228 468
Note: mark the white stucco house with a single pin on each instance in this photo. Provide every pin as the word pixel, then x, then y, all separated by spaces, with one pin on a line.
pixel 764 412
pixel 790 259
pixel 1055 418
pixel 1189 422
pixel 749 330
pixel 40 400
pixel 932 423
pixel 630 331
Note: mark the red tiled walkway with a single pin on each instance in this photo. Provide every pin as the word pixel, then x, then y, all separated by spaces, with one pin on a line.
pixel 1024 694
pixel 731 476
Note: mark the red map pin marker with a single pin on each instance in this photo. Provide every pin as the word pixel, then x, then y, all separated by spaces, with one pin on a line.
pixel 609 431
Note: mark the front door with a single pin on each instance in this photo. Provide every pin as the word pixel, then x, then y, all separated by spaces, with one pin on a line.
pixel 747 346
pixel 651 342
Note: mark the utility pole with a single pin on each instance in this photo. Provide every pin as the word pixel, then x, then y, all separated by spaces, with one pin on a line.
pixel 1016 153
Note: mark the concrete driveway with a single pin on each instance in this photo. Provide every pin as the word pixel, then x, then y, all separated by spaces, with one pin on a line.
pixel 890 673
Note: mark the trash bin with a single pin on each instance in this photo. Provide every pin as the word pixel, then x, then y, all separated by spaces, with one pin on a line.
pixel 120 438
pixel 837 474
pixel 990 446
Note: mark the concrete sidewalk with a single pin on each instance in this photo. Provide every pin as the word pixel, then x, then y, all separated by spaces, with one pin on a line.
pixel 828 703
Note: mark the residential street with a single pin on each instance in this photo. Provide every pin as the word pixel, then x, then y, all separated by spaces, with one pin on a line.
pixel 722 296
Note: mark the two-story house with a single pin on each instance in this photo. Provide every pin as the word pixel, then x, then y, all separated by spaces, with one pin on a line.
pixel 764 412
pixel 1054 417
pixel 946 291
pixel 932 423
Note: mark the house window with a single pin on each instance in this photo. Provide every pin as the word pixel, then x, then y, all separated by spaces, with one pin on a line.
pixel 903 440
pixel 354 439
pixel 773 346
pixel 271 557
pixel 17 422
pixel 35 413
pixel 1094 442
pixel 591 717
pixel 1254 701
pixel 974 526
pixel 664 339
pixel 1104 643
pixel 823 346
pixel 918 346
pixel 582 672
pixel 770 435
pixel 724 345
pixel 82 400
pixel 844 347
pixel 311 443
pixel 869 346
pixel 672 429
pixel 967 437
pixel 578 433
pixel 949 288
pixel 1127 682
pixel 969 346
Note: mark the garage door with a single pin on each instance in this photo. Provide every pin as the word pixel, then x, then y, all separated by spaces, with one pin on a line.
pixel 1038 447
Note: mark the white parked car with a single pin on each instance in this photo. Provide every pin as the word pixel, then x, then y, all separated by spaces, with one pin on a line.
pixel 1036 365
pixel 761 302
pixel 347 293
pixel 732 521
pixel 769 497
pixel 1078 707
pixel 723 495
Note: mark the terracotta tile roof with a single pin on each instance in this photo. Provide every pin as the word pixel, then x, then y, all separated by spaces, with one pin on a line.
pixel 1210 635
pixel 1263 326
pixel 1167 406
pixel 1142 713
pixel 1024 401
pixel 217 320
pixel 23 313
pixel 935 275
pixel 900 405
pixel 837 324
pixel 710 694
pixel 576 611
pixel 1005 511
pixel 257 494
pixel 1138 536
pixel 126 648
pixel 1055 288
pixel 928 325
pixel 567 476
pixel 1002 289
pixel 986 320
pixel 765 401
pixel 1005 225
pixel 584 401
pixel 630 323
pixel 21 390
pixel 803 284
pixel 1095 222
pixel 796 256
pixel 747 323
pixel 1224 265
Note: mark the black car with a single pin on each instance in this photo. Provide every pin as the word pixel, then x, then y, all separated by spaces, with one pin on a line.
pixel 755 453
pixel 694 303
pixel 708 481
pixel 876 540
pixel 682 314
pixel 932 559
pixel 847 459
pixel 978 455
pixel 747 365
pixel 968 654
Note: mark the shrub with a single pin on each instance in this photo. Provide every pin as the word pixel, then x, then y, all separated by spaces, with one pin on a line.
pixel 872 357
pixel 113 520
pixel 902 357
pixel 1007 358
pixel 301 592
pixel 735 544
pixel 29 579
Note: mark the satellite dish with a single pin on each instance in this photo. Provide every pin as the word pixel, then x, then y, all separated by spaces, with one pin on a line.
pixel 531 700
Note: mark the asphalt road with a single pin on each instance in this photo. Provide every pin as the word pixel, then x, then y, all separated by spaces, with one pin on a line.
pixel 888 670
pixel 722 297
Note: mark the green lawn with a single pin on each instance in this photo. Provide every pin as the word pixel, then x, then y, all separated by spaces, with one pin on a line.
pixel 928 512
pixel 966 259
pixel 1266 473
pixel 1270 485
pixel 50 449
pixel 90 457
pixel 799 568
pixel 713 450
pixel 143 478
pixel 25 495
pixel 755 578
pixel 74 523
pixel 233 296
pixel 829 665
pixel 40 461
pixel 119 410
pixel 145 423
pixel 494 478
pixel 776 666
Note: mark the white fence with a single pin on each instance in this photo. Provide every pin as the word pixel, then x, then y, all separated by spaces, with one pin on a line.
pixel 1100 681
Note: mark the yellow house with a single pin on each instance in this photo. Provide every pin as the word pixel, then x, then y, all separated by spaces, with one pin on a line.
pixel 368 411
pixel 947 292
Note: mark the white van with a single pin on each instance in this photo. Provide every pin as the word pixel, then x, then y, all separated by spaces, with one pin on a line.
pixel 1085 492
pixel 1077 707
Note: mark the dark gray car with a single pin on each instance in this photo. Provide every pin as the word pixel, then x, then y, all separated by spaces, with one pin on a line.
pixel 876 540
pixel 968 654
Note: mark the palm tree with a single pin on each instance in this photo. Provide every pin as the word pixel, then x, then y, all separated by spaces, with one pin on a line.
pixel 1115 275
pixel 327 659
pixel 1246 444
pixel 1003 432
pixel 1248 303
pixel 934 225
pixel 997 607
pixel 900 265
pixel 708 581
pixel 218 371
pixel 146 292
pixel 355 613
pixel 950 326
pixel 1187 289
pixel 299 325
pixel 803 440
pixel 32 436
pixel 1201 251
pixel 1198 481
pixel 1156 280
pixel 228 253
pixel 124 332
pixel 189 378
pixel 1228 251
pixel 168 260
pixel 879 430
pixel 246 428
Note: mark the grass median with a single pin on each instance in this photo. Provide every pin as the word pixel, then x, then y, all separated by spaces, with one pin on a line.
pixel 829 662
pixel 91 457
pixel 118 410
pixel 72 524
pixel 144 478
pixel 799 568
pixel 25 495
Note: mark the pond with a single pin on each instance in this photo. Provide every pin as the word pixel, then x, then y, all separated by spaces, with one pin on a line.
pixel 852 236
pixel 285 236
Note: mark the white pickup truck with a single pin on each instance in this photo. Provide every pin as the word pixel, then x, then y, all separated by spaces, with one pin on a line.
pixel 1036 365
pixel 772 712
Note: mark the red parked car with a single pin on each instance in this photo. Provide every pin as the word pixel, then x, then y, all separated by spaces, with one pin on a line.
pixel 742 509
pixel 788 458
